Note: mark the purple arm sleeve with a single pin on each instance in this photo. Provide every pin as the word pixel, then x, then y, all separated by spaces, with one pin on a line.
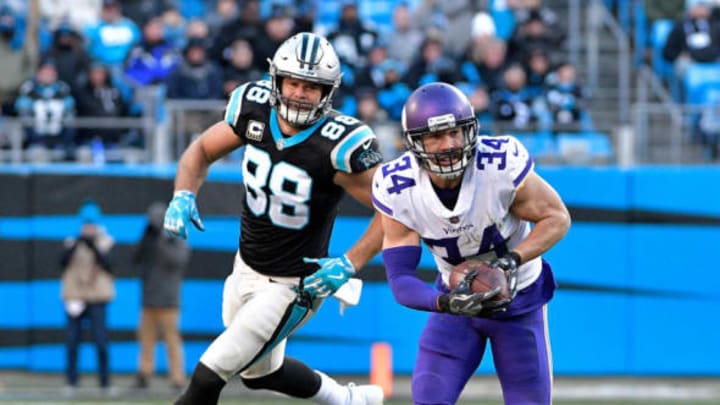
pixel 400 265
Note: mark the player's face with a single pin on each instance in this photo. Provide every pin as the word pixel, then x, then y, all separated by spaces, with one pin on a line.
pixel 445 141
pixel 300 94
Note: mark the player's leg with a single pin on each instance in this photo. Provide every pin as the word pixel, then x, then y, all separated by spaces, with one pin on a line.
pixel 521 350
pixel 258 313
pixel 450 351
pixel 296 379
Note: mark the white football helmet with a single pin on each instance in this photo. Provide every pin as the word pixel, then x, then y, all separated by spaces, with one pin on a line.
pixel 309 57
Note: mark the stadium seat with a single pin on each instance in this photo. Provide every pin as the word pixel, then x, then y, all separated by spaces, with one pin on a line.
pixel 702 83
pixel 584 147
pixel 541 146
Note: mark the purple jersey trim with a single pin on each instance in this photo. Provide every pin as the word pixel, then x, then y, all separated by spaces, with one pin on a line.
pixel 528 165
pixel 382 207
pixel 408 290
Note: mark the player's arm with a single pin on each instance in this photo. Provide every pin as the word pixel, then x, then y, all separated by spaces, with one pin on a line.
pixel 401 254
pixel 359 186
pixel 216 142
pixel 537 201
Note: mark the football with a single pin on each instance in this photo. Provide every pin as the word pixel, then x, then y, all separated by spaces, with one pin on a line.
pixel 486 279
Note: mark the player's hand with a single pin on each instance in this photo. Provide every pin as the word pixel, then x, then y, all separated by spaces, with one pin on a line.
pixel 333 273
pixel 468 303
pixel 509 264
pixel 182 210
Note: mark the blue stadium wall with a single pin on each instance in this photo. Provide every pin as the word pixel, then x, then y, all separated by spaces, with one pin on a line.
pixel 639 284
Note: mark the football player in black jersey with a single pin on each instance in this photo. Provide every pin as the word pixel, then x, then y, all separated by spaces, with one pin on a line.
pixel 300 157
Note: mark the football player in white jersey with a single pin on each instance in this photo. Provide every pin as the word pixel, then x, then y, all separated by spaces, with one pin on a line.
pixel 300 157
pixel 469 197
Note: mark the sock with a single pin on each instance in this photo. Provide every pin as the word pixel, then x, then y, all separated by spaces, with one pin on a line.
pixel 204 389
pixel 330 392
pixel 293 378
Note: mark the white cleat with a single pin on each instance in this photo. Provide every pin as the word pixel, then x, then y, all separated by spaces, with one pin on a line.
pixel 365 394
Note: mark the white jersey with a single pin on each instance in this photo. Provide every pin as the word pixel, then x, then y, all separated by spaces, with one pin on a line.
pixel 481 225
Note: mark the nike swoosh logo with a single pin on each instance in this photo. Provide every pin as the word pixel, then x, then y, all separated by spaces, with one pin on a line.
pixel 517 151
pixel 367 143
pixel 334 277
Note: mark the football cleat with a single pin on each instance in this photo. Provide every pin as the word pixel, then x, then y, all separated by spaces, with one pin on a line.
pixel 365 394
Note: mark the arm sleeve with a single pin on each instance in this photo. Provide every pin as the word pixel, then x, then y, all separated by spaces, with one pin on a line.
pixel 407 288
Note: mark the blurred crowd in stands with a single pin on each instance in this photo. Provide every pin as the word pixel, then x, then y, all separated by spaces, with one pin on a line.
pixel 95 58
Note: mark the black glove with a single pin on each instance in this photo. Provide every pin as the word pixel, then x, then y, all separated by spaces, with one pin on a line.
pixel 462 301
pixel 509 264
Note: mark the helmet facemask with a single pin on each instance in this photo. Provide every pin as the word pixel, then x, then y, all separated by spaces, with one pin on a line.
pixel 307 57
pixel 448 164
pixel 299 114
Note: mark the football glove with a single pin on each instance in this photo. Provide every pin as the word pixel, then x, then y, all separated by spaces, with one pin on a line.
pixel 462 301
pixel 333 273
pixel 181 210
pixel 509 264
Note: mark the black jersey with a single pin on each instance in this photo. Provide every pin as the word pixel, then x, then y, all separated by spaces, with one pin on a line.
pixel 291 200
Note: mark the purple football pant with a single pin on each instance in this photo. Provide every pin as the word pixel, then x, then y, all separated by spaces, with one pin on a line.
pixel 452 346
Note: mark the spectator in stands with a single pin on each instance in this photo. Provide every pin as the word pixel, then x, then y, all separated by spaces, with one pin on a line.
pixel 480 101
pixel 247 25
pixel 277 28
pixel 432 65
pixel 87 288
pixel 69 54
pixel 152 60
pixel 535 33
pixel 174 27
pixel 514 107
pixel 112 38
pixel 240 68
pixel 566 100
pixel 195 77
pixel 352 39
pixel 140 11
pixel 394 90
pixel 48 102
pixel 458 15
pixel 537 69
pixel 405 38
pixel 483 30
pixel 485 64
pixel 162 260
pixel 694 38
pixel 387 130
pixel 224 12
pixel 98 97
pixel 304 12
pixel 373 74
pixel 77 13
pixel 17 64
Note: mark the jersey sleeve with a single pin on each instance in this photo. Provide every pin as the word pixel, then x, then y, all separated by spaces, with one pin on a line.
pixel 233 109
pixel 507 162
pixel 357 151
pixel 392 190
